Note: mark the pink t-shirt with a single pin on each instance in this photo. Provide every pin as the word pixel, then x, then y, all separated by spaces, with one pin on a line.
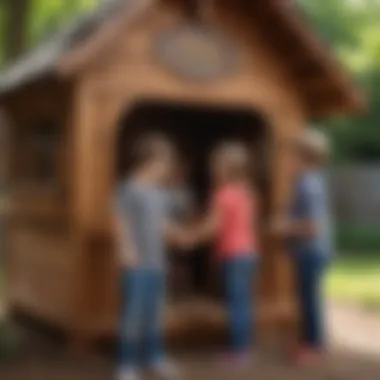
pixel 236 235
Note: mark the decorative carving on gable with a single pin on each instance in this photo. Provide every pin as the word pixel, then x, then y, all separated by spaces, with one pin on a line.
pixel 196 52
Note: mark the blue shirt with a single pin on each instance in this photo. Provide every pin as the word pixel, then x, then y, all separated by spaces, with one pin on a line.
pixel 310 202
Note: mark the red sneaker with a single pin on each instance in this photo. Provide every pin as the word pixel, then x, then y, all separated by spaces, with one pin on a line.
pixel 307 356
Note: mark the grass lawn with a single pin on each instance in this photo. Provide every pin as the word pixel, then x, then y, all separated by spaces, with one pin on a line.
pixel 356 278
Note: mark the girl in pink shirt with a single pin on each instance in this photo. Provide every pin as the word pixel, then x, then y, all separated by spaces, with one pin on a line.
pixel 230 225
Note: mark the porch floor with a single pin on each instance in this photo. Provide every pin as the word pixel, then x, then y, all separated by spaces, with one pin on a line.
pixel 347 361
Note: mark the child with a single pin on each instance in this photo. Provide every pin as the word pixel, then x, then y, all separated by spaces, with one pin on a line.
pixel 141 224
pixel 231 227
pixel 307 232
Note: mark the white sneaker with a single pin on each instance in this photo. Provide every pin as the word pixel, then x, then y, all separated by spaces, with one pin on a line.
pixel 127 374
pixel 166 370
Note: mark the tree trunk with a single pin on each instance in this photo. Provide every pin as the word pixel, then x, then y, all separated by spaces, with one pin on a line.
pixel 16 27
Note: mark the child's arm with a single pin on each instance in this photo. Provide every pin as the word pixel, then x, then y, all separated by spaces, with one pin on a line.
pixel 207 227
pixel 307 225
pixel 175 234
pixel 187 236
pixel 222 206
pixel 126 250
pixel 295 228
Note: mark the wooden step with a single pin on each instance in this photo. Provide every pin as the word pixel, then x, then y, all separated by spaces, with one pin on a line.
pixel 205 313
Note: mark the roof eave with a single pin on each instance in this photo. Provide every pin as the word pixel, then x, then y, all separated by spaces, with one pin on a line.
pixel 76 59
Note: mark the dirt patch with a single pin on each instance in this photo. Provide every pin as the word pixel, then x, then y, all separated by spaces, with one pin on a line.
pixel 47 360
pixel 355 336
pixel 354 328
pixel 55 366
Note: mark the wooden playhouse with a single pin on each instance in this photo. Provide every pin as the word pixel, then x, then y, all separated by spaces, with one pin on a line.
pixel 201 71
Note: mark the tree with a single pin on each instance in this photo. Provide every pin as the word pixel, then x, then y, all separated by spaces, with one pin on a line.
pixel 25 23
pixel 15 16
pixel 353 31
pixel 47 17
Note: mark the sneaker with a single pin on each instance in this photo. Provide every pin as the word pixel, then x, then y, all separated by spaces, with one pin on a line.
pixel 307 356
pixel 127 374
pixel 165 370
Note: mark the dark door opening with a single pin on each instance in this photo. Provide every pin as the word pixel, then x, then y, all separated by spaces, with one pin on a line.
pixel 196 130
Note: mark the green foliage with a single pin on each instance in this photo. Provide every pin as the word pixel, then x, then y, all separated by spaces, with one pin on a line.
pixel 10 341
pixel 352 29
pixel 351 237
pixel 46 17
pixel 2 35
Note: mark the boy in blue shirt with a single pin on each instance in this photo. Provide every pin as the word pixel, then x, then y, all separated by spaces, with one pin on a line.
pixel 307 232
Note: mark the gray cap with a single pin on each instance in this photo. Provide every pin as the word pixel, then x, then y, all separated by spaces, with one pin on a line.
pixel 315 141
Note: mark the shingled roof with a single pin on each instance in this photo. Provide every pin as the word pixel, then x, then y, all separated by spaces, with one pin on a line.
pixel 316 74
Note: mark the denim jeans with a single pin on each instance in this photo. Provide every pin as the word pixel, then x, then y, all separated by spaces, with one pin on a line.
pixel 310 267
pixel 238 276
pixel 141 318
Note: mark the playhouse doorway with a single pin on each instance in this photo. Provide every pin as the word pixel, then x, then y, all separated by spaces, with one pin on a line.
pixel 195 130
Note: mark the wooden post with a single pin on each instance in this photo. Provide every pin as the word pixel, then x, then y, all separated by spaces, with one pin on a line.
pixel 286 122
pixel 82 131
pixel 94 140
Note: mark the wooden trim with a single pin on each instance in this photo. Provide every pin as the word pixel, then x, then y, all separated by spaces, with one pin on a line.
pixel 320 53
pixel 82 154
pixel 291 28
pixel 280 12
pixel 193 314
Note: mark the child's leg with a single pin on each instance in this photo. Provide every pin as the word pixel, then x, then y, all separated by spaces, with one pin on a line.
pixel 238 285
pixel 154 317
pixel 132 285
pixel 311 268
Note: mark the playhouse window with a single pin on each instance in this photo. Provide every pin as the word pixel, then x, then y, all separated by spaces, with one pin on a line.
pixel 36 154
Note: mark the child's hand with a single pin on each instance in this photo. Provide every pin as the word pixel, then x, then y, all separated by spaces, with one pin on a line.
pixel 187 240
pixel 280 226
pixel 128 261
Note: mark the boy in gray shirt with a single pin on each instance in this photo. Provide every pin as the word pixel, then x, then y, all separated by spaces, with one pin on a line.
pixel 142 227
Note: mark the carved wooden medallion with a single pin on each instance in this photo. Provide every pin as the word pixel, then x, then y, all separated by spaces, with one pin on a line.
pixel 196 52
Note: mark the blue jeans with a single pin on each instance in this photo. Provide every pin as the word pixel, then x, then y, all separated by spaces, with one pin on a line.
pixel 141 319
pixel 238 276
pixel 310 267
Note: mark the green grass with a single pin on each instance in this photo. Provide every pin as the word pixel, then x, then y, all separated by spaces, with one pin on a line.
pixel 356 278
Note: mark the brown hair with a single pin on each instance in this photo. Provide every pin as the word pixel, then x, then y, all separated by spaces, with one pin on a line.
pixel 150 147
